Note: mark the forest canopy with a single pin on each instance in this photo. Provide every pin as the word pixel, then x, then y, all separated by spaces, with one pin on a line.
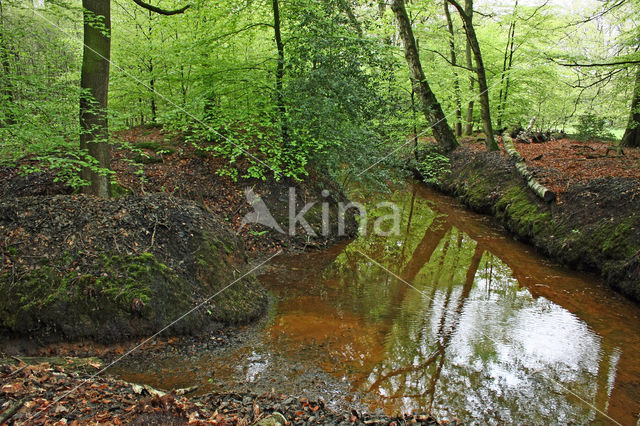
pixel 285 85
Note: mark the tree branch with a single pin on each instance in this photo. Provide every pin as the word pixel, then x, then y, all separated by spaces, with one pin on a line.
pixel 448 60
pixel 593 65
pixel 159 10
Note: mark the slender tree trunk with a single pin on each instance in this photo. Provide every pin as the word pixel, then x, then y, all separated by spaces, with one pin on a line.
pixel 94 82
pixel 631 136
pixel 430 105
pixel 456 84
pixel 468 127
pixel 152 79
pixel 152 86
pixel 485 111
pixel 506 67
pixel 415 123
pixel 7 84
pixel 280 72
pixel 345 5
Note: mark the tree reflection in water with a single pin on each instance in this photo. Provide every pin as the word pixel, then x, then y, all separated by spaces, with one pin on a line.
pixel 472 342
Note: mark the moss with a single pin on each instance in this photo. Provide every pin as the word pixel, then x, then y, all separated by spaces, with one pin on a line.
pixel 521 214
pixel 147 159
pixel 617 242
pixel 607 240
pixel 474 190
pixel 56 299
pixel 234 302
pixel 119 191
pixel 150 145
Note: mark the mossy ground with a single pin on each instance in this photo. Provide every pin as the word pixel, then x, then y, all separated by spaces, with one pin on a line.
pixel 135 278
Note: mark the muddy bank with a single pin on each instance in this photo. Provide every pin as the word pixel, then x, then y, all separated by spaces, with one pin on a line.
pixel 178 229
pixel 172 166
pixel 593 226
pixel 76 267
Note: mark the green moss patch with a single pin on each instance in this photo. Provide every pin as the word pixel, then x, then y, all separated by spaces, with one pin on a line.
pixel 522 215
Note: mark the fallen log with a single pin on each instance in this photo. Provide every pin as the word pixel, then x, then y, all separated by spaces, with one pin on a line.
pixel 521 166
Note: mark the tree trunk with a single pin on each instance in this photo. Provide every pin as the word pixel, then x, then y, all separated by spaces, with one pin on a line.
pixel 152 79
pixel 631 136
pixel 506 67
pixel 468 127
pixel 7 84
pixel 152 89
pixel 348 10
pixel 430 105
pixel 94 81
pixel 282 110
pixel 485 112
pixel 456 85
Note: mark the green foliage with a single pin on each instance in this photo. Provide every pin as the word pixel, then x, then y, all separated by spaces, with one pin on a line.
pixel 433 165
pixel 210 74
pixel 593 127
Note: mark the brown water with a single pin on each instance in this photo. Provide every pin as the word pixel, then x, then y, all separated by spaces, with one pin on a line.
pixel 487 331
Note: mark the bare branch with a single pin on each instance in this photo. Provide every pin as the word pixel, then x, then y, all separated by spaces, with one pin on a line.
pixel 593 64
pixel 160 10
pixel 448 60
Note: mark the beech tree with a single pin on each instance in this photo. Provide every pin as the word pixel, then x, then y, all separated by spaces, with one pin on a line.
pixel 430 105
pixel 454 63
pixel 631 136
pixel 467 22
pixel 468 127
pixel 94 82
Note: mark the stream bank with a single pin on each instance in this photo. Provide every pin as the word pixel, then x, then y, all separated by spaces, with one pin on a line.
pixel 594 226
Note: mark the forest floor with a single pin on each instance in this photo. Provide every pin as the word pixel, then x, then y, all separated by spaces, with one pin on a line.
pixel 561 163
pixel 104 400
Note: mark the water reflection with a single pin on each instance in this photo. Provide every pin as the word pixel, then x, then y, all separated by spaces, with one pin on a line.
pixel 471 339
pixel 488 331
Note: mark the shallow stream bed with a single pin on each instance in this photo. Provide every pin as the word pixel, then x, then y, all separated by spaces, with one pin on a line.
pixel 450 316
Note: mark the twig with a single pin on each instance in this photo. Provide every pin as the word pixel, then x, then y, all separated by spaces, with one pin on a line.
pixel 18 370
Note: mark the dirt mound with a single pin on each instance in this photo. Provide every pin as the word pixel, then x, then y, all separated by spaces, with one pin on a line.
pixel 76 267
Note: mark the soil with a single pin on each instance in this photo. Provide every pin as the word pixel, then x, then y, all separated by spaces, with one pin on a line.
pixel 595 223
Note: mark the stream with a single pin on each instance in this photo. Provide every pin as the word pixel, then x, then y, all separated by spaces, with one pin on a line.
pixel 451 316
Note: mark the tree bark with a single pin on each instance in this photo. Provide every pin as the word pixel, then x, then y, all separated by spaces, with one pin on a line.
pixel 456 84
pixel 430 105
pixel 282 109
pixel 94 82
pixel 152 80
pixel 467 21
pixel 468 127
pixel 540 190
pixel 631 136
pixel 160 10
pixel 348 10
